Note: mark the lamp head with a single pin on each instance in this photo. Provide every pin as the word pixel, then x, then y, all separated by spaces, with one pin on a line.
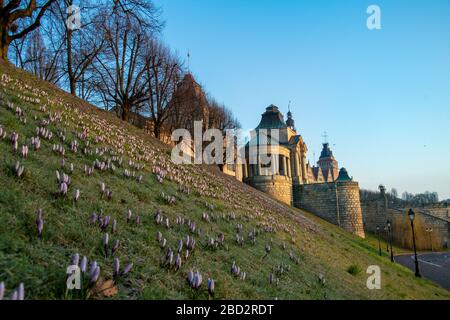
pixel 411 214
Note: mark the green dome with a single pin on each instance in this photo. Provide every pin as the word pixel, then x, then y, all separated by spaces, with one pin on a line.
pixel 343 175
pixel 272 119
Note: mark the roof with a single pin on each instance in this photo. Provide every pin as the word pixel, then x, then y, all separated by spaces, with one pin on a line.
pixel 343 175
pixel 326 151
pixel 272 119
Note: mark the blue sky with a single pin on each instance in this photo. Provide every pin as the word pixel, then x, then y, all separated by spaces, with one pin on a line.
pixel 383 96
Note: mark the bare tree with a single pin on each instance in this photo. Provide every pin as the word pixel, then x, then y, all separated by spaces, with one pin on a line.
pixel 221 117
pixel 13 11
pixel 163 71
pixel 80 44
pixel 121 65
pixel 39 60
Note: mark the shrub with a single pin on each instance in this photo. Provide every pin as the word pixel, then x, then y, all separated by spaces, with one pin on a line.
pixel 354 270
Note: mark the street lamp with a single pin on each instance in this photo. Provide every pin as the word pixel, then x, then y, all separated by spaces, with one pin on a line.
pixel 390 239
pixel 411 215
pixel 379 243
pixel 387 238
pixel 429 231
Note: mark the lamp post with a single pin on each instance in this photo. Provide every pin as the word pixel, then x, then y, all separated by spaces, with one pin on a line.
pixel 390 239
pixel 379 243
pixel 429 231
pixel 387 238
pixel 411 215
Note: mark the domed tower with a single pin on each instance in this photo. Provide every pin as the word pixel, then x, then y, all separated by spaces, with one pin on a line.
pixel 268 165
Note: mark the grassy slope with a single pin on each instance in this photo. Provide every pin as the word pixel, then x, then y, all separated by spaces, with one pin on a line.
pixel 321 247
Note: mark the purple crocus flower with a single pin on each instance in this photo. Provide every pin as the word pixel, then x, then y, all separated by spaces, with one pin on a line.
pixel 93 267
pixel 39 223
pixel 127 269
pixel 93 217
pixel 114 226
pixel 115 246
pixel 271 278
pixel 2 290
pixel 158 236
pixel 197 280
pixel 63 189
pixel 21 292
pixel 14 295
pixel 211 287
pixel 83 264
pixel 169 257
pixel 190 277
pixel 178 262
pixel 75 259
pixel 94 275
pixel 24 151
pixel 116 267
pixel 129 215
pixel 105 222
pixel 106 242
pixel 77 195
pixel 19 169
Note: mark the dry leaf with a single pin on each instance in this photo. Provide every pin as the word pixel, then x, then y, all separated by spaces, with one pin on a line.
pixel 106 288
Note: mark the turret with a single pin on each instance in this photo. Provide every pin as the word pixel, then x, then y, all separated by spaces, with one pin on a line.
pixel 290 121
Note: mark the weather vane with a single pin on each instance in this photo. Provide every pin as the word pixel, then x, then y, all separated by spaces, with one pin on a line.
pixel 189 61
pixel 325 137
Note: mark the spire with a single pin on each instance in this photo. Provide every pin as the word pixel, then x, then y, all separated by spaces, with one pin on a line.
pixel 290 121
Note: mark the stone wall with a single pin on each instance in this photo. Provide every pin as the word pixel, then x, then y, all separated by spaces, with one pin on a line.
pixel 338 203
pixel 377 213
pixel 279 187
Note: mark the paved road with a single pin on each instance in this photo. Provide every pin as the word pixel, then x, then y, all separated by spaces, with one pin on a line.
pixel 433 266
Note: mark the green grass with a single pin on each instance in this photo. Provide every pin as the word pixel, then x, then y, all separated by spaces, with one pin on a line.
pixel 41 264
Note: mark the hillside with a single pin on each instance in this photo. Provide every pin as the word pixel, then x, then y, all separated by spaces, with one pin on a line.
pixel 303 248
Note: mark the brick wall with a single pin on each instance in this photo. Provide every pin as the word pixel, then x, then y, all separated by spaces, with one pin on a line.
pixel 337 203
pixel 279 187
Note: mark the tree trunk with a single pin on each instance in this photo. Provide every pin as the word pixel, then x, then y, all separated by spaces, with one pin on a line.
pixel 72 86
pixel 4 44
pixel 69 63
pixel 125 113
pixel 157 130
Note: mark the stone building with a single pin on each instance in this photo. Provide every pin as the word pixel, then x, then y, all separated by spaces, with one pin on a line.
pixel 188 104
pixel 275 163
